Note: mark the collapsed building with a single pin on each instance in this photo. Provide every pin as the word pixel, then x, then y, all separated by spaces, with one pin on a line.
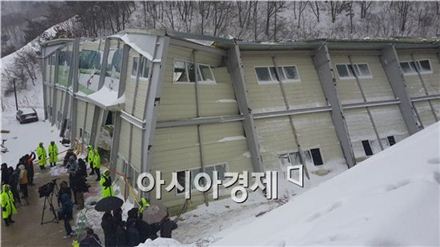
pixel 169 101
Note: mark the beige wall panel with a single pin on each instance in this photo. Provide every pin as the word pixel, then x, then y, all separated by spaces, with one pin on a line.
pixel 124 139
pixel 262 98
pixel 348 90
pixel 413 85
pixel 425 113
pixel 136 149
pixel 308 91
pixel 89 120
pixel 81 113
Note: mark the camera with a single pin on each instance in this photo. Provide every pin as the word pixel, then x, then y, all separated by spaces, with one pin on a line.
pixel 47 189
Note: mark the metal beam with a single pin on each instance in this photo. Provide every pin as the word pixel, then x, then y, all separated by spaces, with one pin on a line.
pixel 198 121
pixel 123 74
pixel 364 98
pixel 422 81
pixel 43 66
pixel 153 99
pixel 371 104
pixel 104 63
pixel 235 68
pixel 391 66
pixel 74 105
pixel 54 92
pixel 323 66
pixel 425 98
pixel 115 141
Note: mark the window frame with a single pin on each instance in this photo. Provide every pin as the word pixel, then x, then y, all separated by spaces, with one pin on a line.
pixel 198 73
pixel 192 176
pixel 416 70
pixel 355 70
pixel 273 79
pixel 369 144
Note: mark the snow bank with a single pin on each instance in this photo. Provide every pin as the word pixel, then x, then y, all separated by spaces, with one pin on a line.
pixel 390 199
pixel 162 242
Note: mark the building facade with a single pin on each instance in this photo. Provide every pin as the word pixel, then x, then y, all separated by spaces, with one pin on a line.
pixel 173 102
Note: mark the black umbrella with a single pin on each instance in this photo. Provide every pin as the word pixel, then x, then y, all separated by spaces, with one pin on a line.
pixel 108 204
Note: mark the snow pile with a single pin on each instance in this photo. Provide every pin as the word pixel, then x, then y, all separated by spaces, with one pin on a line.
pixel 106 97
pixel 58 171
pixel 390 199
pixel 165 242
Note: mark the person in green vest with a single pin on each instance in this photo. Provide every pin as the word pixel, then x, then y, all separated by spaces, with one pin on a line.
pixel 97 164
pixel 8 207
pixel 42 156
pixel 90 158
pixel 143 204
pixel 106 184
pixel 53 153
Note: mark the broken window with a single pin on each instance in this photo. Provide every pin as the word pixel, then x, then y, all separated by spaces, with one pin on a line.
pixel 316 156
pixel 367 147
pixel 221 169
pixel 263 74
pixel 391 140
pixel 205 74
pixel 144 69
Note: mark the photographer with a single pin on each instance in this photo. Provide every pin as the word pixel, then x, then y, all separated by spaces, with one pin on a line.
pixel 64 189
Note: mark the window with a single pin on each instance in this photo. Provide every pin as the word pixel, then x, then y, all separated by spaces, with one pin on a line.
pixel 312 156
pixel 348 71
pixel 144 68
pixel 134 69
pixel 270 75
pixel 263 74
pixel 391 140
pixel 367 147
pixel 184 72
pixel 205 74
pixel 89 59
pixel 220 168
pixel 316 156
pixel 412 67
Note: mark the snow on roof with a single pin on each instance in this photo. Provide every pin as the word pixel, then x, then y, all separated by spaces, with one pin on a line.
pixel 107 98
pixel 391 198
pixel 142 43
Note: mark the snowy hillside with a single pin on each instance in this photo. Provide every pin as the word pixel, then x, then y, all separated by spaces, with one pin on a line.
pixel 390 199
pixel 32 95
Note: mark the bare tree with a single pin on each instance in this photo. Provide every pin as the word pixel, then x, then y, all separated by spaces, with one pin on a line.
pixel 315 9
pixel 365 5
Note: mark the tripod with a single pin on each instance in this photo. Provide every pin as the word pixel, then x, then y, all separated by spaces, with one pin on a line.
pixel 48 199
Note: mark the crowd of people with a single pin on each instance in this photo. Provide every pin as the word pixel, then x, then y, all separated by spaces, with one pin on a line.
pixel 117 232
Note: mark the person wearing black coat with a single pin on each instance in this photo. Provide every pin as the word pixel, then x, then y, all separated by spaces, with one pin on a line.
pixel 132 233
pixel 29 164
pixel 166 227
pixel 82 167
pixel 79 186
pixel 64 189
pixel 5 174
pixel 13 183
pixel 90 240
pixel 109 229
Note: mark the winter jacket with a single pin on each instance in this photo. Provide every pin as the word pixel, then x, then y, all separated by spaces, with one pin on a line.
pixel 82 168
pixel 90 155
pixel 5 175
pixel 64 190
pixel 120 235
pixel 143 204
pixel 166 228
pixel 66 206
pixel 106 186
pixel 23 176
pixel 132 233
pixel 90 241
pixel 53 153
pixel 42 156
pixel 78 183
pixel 30 164
pixel 96 159
pixel 67 156
pixel 7 202
pixel 109 230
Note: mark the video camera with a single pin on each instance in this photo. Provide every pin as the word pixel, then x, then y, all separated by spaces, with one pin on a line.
pixel 47 189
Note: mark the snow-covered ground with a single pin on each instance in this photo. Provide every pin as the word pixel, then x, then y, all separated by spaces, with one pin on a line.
pixel 390 199
pixel 24 138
